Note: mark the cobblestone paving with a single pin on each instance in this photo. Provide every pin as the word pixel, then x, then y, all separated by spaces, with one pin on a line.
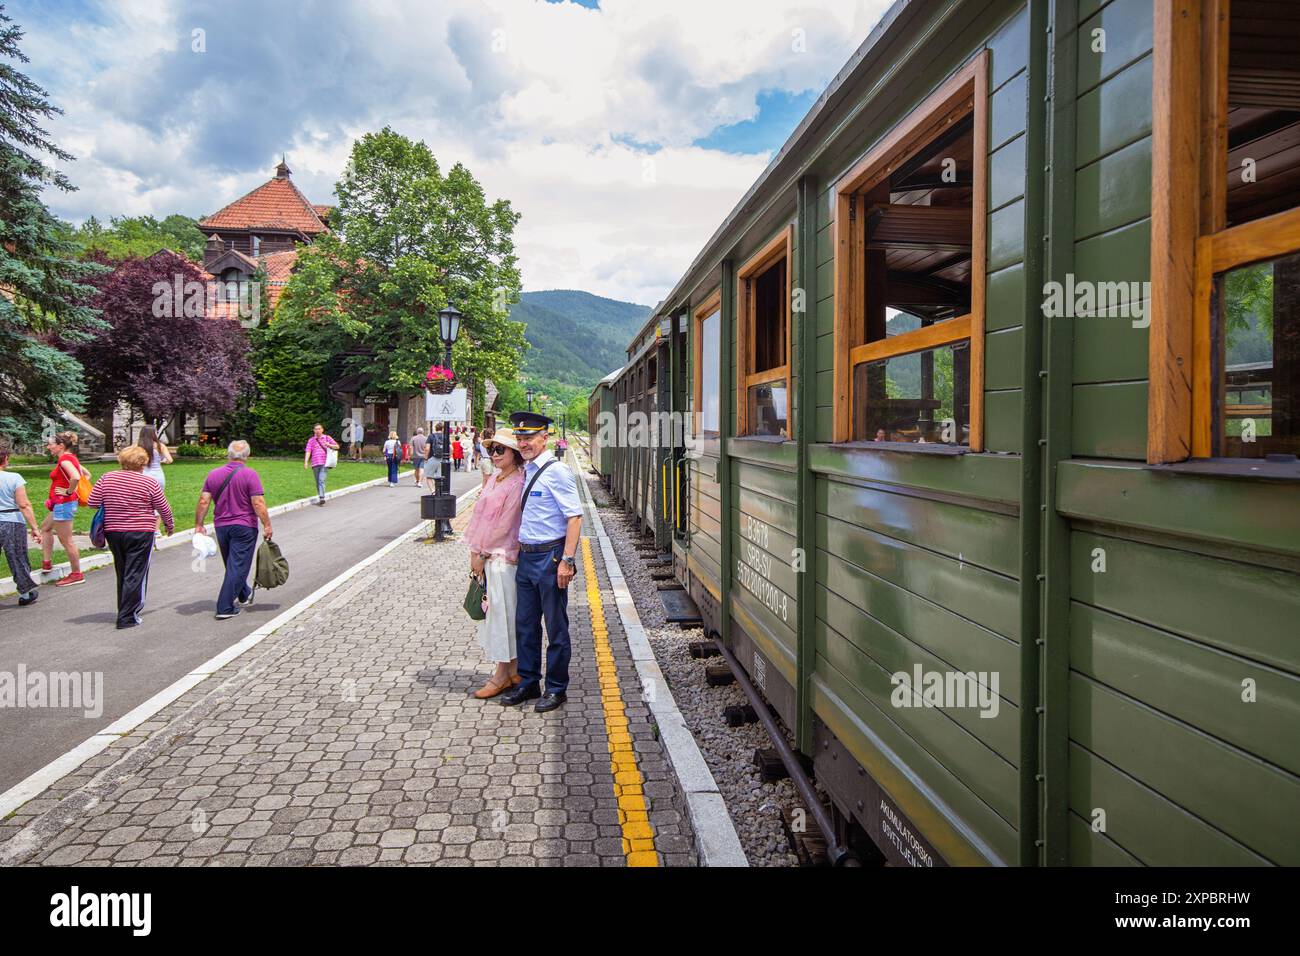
pixel 348 737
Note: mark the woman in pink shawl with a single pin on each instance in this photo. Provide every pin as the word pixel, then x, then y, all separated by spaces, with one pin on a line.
pixel 493 539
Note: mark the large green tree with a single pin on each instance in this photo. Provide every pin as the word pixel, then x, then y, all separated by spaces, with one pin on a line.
pixel 409 240
pixel 45 287
pixel 138 237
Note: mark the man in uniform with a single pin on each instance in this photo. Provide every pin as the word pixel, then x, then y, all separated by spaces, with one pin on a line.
pixel 548 544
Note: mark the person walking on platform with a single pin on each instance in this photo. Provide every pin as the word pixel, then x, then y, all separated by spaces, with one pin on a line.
pixel 61 504
pixel 133 502
pixel 315 456
pixel 393 455
pixel 548 543
pixel 493 538
pixel 457 452
pixel 419 450
pixel 16 515
pixel 158 454
pixel 238 502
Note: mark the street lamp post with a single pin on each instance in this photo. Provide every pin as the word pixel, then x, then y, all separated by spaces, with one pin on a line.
pixel 530 399
pixel 449 327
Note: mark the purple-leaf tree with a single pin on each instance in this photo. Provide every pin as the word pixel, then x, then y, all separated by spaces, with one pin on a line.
pixel 162 353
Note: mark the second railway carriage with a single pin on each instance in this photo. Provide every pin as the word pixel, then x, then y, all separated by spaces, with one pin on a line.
pixel 993 384
pixel 601 403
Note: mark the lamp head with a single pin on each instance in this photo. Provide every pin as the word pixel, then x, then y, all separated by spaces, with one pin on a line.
pixel 449 324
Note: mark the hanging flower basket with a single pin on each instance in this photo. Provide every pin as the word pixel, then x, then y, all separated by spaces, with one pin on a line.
pixel 439 380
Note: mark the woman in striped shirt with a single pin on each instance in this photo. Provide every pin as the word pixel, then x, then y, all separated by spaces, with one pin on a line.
pixel 132 504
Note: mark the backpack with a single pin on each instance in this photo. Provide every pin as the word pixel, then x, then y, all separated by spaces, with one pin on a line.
pixel 272 568
pixel 84 485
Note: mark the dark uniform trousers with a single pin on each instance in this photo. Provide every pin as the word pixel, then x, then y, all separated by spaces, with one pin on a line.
pixel 539 596
pixel 132 551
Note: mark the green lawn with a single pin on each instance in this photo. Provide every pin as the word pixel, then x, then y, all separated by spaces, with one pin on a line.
pixel 283 480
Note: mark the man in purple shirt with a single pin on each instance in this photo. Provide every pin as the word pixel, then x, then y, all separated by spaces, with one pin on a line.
pixel 317 452
pixel 236 491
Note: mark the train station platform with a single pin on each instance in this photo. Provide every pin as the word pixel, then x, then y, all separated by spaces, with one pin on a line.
pixel 348 737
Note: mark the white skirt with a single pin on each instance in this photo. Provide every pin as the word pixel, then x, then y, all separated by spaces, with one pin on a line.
pixel 496 632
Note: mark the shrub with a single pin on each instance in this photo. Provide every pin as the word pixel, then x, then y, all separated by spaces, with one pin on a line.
pixel 192 450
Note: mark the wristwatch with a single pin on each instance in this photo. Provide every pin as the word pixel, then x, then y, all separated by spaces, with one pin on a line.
pixel 569 560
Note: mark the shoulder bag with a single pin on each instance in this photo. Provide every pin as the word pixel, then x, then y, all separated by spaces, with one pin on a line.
pixel 476 595
pixel 331 455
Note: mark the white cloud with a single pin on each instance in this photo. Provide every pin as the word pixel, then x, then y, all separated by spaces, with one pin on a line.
pixel 542 102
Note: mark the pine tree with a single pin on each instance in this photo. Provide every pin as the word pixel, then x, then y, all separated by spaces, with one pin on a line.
pixel 43 288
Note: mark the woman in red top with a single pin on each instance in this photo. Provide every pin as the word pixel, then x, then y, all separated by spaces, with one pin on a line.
pixel 457 453
pixel 61 503
pixel 132 502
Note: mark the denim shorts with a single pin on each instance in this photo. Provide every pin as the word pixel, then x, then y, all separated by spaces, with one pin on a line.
pixel 65 511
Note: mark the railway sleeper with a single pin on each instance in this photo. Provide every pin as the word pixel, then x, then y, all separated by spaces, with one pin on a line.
pixel 768 762
pixel 702 649
pixel 807 842
pixel 737 715
pixel 719 675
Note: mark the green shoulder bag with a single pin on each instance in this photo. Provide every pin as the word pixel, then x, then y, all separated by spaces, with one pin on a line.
pixel 474 597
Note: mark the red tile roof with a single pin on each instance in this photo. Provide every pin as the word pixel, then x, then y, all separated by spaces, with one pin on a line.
pixel 276 204
pixel 279 266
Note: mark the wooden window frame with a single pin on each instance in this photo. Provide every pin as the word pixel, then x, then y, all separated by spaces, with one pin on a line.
pixel 965 93
pixel 1189 242
pixel 712 304
pixel 782 244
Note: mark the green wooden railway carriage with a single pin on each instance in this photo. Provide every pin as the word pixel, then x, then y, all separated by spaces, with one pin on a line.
pixel 995 371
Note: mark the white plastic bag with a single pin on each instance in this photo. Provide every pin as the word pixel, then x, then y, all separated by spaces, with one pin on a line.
pixel 204 546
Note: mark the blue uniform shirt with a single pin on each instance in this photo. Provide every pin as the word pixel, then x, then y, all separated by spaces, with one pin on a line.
pixel 552 501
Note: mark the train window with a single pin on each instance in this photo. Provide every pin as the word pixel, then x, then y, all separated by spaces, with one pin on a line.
pixel 708 360
pixel 763 342
pixel 921 397
pixel 1225 234
pixel 909 294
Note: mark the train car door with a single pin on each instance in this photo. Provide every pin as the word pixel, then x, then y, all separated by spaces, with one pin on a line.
pixel 661 439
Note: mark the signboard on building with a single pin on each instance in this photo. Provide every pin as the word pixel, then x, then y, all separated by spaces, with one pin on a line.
pixel 451 407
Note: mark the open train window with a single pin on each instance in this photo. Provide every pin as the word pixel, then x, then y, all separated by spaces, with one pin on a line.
pixel 909 268
pixel 707 349
pixel 1225 232
pixel 763 342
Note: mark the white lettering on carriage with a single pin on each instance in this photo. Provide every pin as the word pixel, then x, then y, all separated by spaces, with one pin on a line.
pixel 754 567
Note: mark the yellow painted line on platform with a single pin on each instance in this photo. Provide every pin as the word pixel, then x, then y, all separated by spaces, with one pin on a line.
pixel 633 814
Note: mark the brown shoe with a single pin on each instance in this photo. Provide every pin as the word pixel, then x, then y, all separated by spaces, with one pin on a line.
pixel 490 689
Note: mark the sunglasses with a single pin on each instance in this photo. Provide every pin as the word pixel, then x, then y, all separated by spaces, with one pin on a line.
pixel 497 449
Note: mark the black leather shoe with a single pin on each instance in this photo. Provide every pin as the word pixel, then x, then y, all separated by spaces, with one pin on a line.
pixel 519 694
pixel 550 702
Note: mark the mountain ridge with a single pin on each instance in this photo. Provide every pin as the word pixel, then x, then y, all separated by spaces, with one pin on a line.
pixel 576 337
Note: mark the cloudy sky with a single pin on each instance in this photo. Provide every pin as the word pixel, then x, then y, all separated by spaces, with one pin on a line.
pixel 623 133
